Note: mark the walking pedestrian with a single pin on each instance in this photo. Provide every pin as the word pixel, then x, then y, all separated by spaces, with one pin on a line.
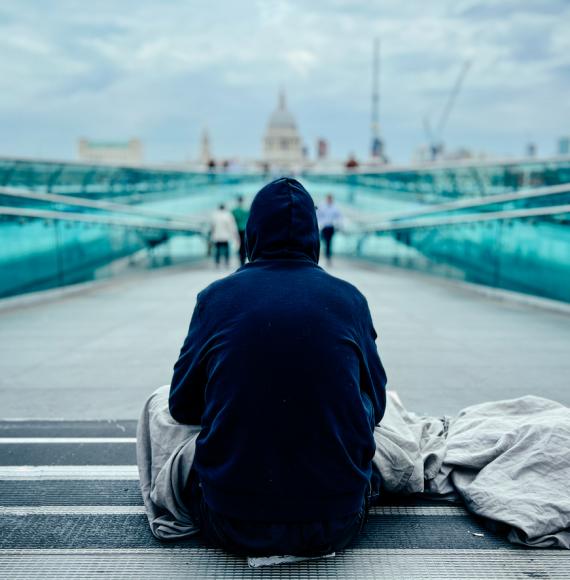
pixel 240 215
pixel 329 218
pixel 223 231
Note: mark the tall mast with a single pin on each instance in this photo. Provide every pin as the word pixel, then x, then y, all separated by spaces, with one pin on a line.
pixel 376 150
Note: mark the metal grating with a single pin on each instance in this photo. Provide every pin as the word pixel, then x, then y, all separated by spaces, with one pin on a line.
pixel 55 428
pixel 362 564
pixel 70 513
pixel 69 493
pixel 131 530
pixel 75 453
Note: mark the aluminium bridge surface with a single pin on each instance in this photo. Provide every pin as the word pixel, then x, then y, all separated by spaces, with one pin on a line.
pixel 77 367
pixel 79 515
pixel 97 352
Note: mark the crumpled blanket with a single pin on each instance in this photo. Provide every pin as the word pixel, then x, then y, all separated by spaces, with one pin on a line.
pixel 509 461
pixel 165 452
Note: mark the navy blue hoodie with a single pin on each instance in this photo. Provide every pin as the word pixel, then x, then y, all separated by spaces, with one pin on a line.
pixel 280 368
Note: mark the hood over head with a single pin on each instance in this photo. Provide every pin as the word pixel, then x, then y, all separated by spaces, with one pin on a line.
pixel 282 223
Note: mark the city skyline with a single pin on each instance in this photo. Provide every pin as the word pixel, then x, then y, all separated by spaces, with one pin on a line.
pixel 163 72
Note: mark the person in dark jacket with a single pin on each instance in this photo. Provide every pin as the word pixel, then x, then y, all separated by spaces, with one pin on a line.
pixel 281 370
pixel 240 215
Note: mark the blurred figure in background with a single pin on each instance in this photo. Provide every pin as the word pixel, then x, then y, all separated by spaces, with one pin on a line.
pixel 240 215
pixel 223 231
pixel 352 164
pixel 329 218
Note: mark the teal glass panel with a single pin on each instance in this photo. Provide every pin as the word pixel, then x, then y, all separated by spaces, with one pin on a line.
pixel 526 255
pixel 37 254
pixel 28 255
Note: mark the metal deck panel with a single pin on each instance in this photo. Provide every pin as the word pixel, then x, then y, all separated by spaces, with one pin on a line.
pixel 351 564
pixel 385 531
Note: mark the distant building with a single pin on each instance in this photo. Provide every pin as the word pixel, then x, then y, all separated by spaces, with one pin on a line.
pixel 114 152
pixel 564 146
pixel 531 150
pixel 282 146
pixel 322 149
pixel 426 154
pixel 205 152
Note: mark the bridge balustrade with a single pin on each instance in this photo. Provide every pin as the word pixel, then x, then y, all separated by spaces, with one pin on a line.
pixel 503 225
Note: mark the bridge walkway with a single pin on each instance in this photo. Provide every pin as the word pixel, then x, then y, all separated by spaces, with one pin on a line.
pixel 69 500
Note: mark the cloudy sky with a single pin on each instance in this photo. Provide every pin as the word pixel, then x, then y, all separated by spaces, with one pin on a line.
pixel 163 71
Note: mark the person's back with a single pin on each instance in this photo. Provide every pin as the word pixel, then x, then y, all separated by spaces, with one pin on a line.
pixel 223 231
pixel 240 215
pixel 281 370
pixel 223 228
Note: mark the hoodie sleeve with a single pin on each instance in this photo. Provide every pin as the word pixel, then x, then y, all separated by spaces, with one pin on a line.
pixel 187 389
pixel 373 377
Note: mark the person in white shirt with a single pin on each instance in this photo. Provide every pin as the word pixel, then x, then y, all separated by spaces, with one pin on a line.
pixel 329 218
pixel 223 231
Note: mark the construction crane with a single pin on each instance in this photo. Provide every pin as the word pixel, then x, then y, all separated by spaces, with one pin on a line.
pixel 377 144
pixel 435 139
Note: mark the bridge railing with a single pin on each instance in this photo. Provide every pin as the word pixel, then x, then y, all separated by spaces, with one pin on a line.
pixel 55 232
pixel 470 178
pixel 22 198
pixel 108 181
pixel 45 248
pixel 525 249
pixel 526 199
pixel 61 223
pixel 428 182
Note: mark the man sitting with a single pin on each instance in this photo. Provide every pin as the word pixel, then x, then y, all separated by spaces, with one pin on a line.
pixel 280 369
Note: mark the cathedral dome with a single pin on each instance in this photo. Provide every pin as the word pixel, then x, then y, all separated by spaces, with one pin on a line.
pixel 282 145
pixel 281 118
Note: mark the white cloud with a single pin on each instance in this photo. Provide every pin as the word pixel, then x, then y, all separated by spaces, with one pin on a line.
pixel 164 70
pixel 301 61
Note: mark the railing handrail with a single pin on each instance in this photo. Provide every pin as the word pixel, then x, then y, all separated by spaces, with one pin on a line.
pixel 95 218
pixel 94 204
pixel 436 166
pixel 146 167
pixel 422 167
pixel 470 218
pixel 388 227
pixel 480 201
